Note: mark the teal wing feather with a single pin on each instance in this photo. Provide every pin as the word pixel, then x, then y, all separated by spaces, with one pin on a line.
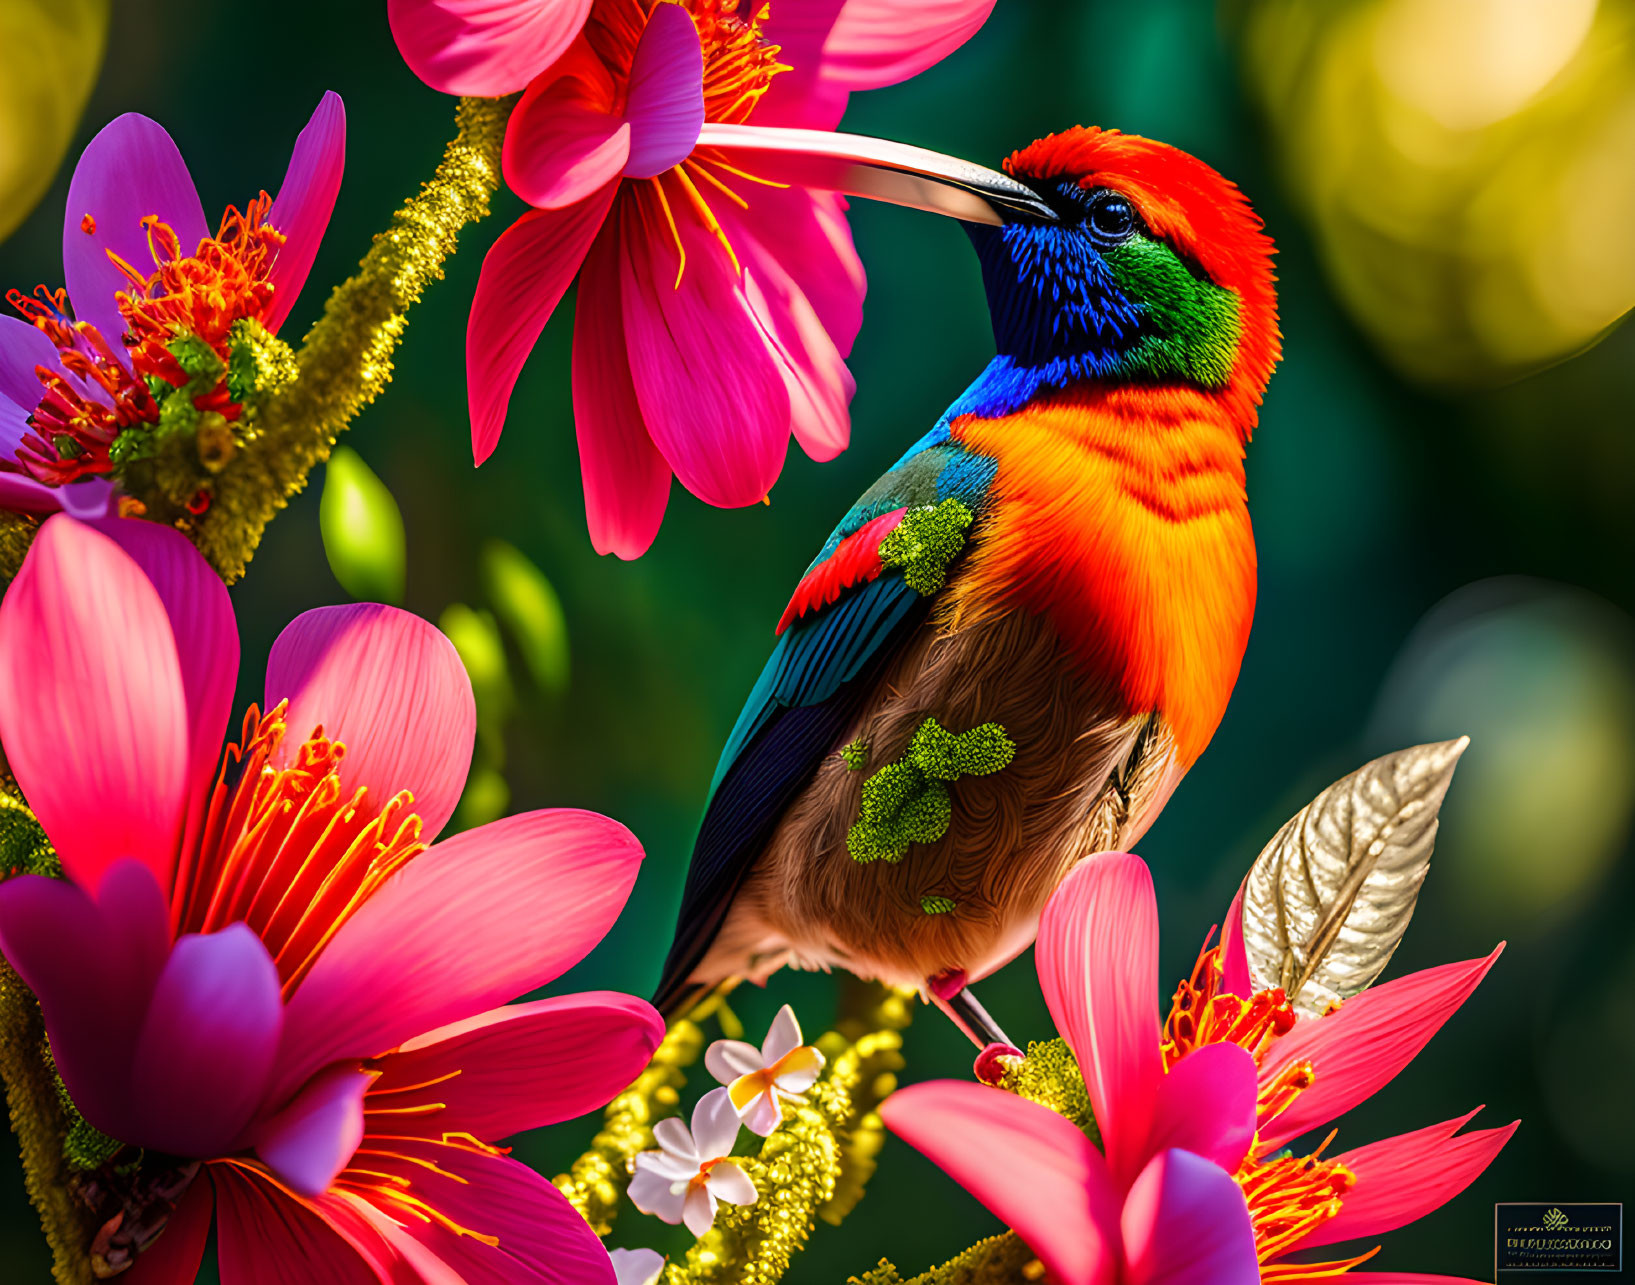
pixel 858 616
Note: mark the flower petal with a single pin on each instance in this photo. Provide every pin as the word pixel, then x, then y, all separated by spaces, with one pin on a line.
pixel 1235 977
pixel 1027 1164
pixel 1359 1048
pixel 175 1258
pixel 129 171
pixel 93 964
pixel 698 1208
pixel 1098 965
pixel 94 497
pixel 1206 1105
pixel 782 1037
pixel 207 1043
pixel 808 234
pixel 542 1238
pixel 392 688
pixel 680 1152
pixel 666 92
pixel 25 495
pixel 730 1183
pixel 1185 1223
pixel 267 1237
pixel 305 201
pixel 483 48
pixel 875 43
pixel 656 1193
pixel 23 348
pixel 764 1116
pixel 637 1266
pixel 474 921
pixel 564 141
pixel 726 1060
pixel 715 1125
pixel 1401 1179
pixel 523 1066
pixel 202 622
pixel 92 703
pixel 627 481
pixel 315 1136
pixel 819 386
pixel 524 277
pixel 723 425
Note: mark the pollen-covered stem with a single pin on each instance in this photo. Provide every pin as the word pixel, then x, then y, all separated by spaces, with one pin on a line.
pixel 346 360
pixel 39 1118
pixel 815 1164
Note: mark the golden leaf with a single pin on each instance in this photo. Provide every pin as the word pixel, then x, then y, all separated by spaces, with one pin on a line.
pixel 1329 898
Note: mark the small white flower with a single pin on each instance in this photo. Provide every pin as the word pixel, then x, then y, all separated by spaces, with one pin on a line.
pixel 636 1266
pixel 759 1079
pixel 683 1181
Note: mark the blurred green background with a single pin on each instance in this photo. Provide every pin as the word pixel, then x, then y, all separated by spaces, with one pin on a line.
pixel 1446 521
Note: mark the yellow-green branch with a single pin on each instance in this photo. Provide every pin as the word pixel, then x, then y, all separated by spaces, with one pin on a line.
pixel 346 360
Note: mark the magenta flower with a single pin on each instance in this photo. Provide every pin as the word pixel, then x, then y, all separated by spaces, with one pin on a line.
pixel 266 968
pixel 716 305
pixel 1177 1094
pixel 92 361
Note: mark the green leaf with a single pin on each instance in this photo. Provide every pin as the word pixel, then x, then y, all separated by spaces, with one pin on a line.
pixel 362 530
pixel 528 606
pixel 476 636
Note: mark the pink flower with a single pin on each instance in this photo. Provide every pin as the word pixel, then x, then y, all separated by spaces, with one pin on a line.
pixel 692 1171
pixel 760 1080
pixel 1179 1093
pixel 716 305
pixel 267 968
pixel 93 361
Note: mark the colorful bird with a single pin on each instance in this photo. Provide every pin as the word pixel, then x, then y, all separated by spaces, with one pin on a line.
pixel 1019 639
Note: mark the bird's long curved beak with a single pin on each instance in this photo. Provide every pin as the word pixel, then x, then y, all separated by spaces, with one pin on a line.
pixel 878 168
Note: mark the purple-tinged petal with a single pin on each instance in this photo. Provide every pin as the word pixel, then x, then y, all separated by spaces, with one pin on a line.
pixel 389 686
pixel 207 1043
pixel 23 348
pixel 315 1136
pixel 92 499
pixel 24 495
pixel 1206 1105
pixel 564 142
pixel 626 480
pixel 524 277
pixel 483 48
pixel 305 201
pixel 666 96
pixel 129 171
pixel 1185 1223
pixel 93 965
pixel 93 707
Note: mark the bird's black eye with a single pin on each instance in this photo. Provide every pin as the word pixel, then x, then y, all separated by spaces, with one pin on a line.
pixel 1111 219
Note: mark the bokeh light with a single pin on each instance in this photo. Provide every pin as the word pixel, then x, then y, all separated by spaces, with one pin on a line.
pixel 1465 166
pixel 1542 679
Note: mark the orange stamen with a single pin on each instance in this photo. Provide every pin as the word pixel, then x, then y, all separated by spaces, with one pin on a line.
pixel 287 850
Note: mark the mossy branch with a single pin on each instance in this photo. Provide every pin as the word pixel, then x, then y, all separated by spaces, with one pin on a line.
pixel 346 360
